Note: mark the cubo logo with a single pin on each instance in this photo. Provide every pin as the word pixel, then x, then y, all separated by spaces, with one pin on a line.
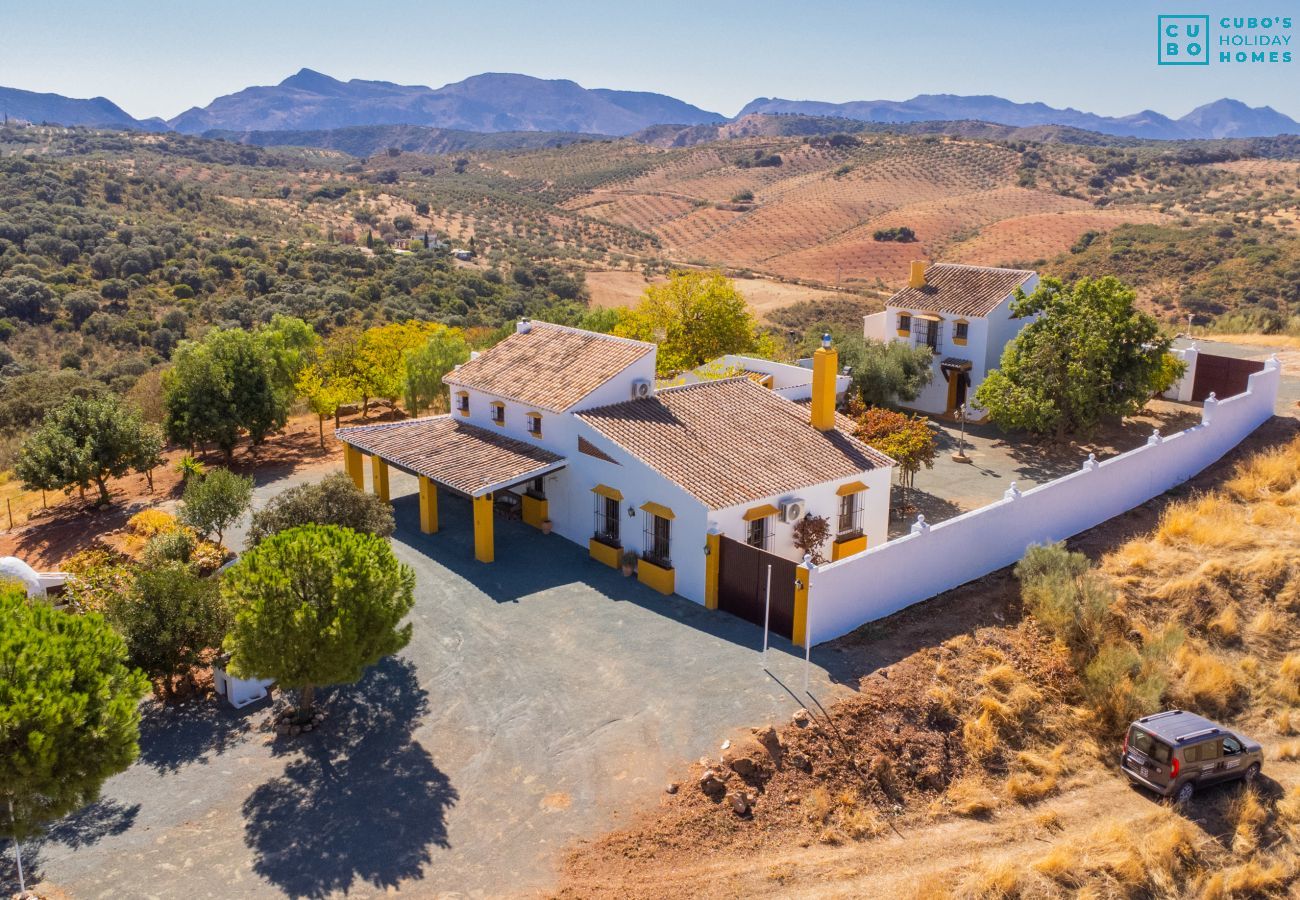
pixel 1183 40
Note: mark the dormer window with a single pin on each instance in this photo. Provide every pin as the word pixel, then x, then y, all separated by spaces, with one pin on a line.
pixel 535 424
pixel 498 412
pixel 462 402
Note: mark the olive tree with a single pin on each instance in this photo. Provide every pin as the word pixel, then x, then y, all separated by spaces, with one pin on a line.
pixel 214 502
pixel 334 500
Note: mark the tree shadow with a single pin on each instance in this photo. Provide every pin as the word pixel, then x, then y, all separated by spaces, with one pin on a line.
pixel 82 828
pixel 173 735
pixel 364 803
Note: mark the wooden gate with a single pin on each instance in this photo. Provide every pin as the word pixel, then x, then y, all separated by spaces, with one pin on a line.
pixel 742 585
pixel 1226 376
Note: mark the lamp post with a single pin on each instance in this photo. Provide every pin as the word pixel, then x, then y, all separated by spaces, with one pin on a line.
pixel 960 456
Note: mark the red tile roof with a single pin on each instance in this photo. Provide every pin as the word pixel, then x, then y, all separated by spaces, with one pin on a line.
pixel 549 366
pixel 730 441
pixel 455 454
pixel 960 290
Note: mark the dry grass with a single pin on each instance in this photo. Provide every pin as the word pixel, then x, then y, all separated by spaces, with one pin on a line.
pixel 1226 626
pixel 969 796
pixel 1036 776
pixel 1248 815
pixel 1286 686
pixel 1205 682
pixel 990 881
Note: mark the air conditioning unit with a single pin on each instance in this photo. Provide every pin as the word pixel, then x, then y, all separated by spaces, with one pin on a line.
pixel 640 389
pixel 793 510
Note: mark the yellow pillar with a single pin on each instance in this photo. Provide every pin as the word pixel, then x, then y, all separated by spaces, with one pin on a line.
pixel 379 477
pixel 354 465
pixel 483 547
pixel 826 363
pixel 428 505
pixel 801 573
pixel 712 560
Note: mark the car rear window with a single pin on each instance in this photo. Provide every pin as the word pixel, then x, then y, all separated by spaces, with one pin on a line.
pixel 1140 740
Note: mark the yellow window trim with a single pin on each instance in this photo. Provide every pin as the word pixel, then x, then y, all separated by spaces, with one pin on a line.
pixel 760 512
pixel 498 403
pixel 928 317
pixel 658 509
pixel 852 487
pixel 534 415
pixel 606 491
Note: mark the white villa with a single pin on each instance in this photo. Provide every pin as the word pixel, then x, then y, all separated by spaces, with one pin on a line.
pixel 963 314
pixel 566 429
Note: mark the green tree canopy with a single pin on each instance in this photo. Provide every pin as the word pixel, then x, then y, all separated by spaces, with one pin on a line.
pixel 695 317
pixel 222 386
pixel 215 501
pixel 291 346
pixel 86 441
pixel 381 356
pixel 882 372
pixel 334 500
pixel 427 365
pixel 168 618
pixel 316 605
pixel 1089 357
pixel 68 711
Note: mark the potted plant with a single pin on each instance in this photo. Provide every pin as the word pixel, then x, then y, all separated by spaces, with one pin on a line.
pixel 627 559
pixel 547 526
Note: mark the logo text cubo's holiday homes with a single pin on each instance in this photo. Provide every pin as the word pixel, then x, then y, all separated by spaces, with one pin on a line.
pixel 1198 40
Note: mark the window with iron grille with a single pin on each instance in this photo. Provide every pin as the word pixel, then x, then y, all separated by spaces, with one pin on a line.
pixel 534 424
pixel 926 332
pixel 462 402
pixel 607 520
pixel 904 322
pixel 759 533
pixel 960 330
pixel 656 540
pixel 499 413
pixel 850 520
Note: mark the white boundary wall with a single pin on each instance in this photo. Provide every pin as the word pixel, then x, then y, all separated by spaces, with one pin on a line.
pixel 933 559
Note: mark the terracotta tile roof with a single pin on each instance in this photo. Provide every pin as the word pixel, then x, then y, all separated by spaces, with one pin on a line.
pixel 549 366
pixel 960 290
pixel 730 441
pixel 456 454
pixel 587 447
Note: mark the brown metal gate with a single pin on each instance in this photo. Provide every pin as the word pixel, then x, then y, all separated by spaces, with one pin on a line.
pixel 1226 376
pixel 742 584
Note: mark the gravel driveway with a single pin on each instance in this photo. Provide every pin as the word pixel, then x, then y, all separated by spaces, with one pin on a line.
pixel 543 698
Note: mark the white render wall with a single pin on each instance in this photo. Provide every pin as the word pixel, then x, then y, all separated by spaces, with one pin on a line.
pixel 572 506
pixel 822 501
pixel 790 381
pixel 1182 389
pixel 931 560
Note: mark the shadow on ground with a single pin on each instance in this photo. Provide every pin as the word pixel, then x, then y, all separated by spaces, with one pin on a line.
pixel 529 563
pixel 87 826
pixel 362 802
pixel 194 731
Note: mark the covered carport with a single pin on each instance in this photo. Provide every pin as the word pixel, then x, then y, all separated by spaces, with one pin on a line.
pixel 442 452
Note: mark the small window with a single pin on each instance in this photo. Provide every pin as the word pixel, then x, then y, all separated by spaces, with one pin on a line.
pixel 1192 754
pixel 1147 745
pixel 606 514
pixel 1230 746
pixel 535 424
pixel 959 330
pixel 657 540
pixel 462 402
pixel 904 322
pixel 850 519
pixel 499 412
pixel 759 533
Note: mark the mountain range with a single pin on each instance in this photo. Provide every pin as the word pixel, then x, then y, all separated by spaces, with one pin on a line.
pixel 495 102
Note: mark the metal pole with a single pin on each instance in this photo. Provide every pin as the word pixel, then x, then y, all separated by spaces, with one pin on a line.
pixel 807 631
pixel 767 613
pixel 18 852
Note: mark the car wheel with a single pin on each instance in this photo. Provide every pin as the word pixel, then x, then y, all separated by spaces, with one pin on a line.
pixel 1252 773
pixel 1184 795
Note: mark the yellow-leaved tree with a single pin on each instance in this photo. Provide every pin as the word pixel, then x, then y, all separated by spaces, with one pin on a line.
pixel 695 317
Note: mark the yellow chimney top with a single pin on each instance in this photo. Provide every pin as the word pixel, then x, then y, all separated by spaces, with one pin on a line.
pixel 917 279
pixel 825 367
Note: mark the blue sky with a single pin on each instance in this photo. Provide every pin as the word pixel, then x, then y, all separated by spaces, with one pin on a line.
pixel 159 58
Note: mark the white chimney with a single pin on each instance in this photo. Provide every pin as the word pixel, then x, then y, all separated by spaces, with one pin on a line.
pixel 524 326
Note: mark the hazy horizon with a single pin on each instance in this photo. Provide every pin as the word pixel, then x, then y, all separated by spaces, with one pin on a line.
pixel 718 55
